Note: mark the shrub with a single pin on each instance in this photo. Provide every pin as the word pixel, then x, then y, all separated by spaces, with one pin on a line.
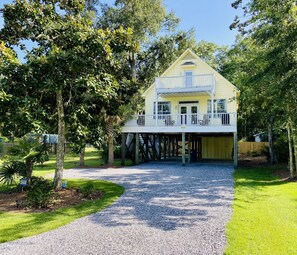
pixel 281 150
pixel 253 153
pixel 117 152
pixel 87 189
pixel 4 139
pixel 104 153
pixel 12 169
pixel 1 147
pixel 40 192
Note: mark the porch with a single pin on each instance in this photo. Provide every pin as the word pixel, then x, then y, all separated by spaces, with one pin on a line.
pixel 168 123
pixel 187 83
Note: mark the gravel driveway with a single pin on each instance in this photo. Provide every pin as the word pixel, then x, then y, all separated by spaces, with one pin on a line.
pixel 166 209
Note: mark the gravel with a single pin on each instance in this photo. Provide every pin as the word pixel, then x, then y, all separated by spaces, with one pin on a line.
pixel 166 209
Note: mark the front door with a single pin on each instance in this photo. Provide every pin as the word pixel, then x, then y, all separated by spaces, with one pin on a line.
pixel 188 113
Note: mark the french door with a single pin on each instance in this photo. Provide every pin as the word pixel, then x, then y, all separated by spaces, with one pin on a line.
pixel 188 114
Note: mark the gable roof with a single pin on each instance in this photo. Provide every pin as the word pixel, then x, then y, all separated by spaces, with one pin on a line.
pixel 187 56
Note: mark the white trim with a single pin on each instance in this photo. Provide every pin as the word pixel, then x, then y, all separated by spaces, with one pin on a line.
pixel 179 129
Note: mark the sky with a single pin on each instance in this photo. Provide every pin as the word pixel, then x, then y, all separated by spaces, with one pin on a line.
pixel 210 18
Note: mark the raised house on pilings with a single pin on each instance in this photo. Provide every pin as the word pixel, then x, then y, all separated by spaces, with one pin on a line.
pixel 190 114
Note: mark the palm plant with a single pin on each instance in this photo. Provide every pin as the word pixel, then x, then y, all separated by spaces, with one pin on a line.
pixel 11 170
pixel 22 156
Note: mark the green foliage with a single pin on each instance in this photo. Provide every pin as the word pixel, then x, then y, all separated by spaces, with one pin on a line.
pixel 12 170
pixel 146 17
pixel 263 63
pixel 30 150
pixel 4 139
pixel 39 193
pixel 117 152
pixel 104 153
pixel 87 189
pixel 280 147
pixel 1 148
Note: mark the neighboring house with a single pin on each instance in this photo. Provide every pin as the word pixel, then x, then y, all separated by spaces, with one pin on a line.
pixel 190 112
pixel 261 137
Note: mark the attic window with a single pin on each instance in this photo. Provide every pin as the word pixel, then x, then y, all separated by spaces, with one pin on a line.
pixel 188 64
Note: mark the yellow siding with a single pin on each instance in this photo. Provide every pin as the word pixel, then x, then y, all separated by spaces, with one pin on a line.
pixel 217 147
pixel 223 90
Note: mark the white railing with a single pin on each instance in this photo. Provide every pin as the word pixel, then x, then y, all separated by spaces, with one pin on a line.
pixel 184 82
pixel 219 119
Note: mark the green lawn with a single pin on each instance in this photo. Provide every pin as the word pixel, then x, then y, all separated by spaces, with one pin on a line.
pixel 92 159
pixel 265 214
pixel 18 225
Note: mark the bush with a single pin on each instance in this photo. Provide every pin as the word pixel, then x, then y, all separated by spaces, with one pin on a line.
pixel 4 139
pixel 87 189
pixel 1 148
pixel 104 153
pixel 117 152
pixel 40 192
pixel 281 151
pixel 254 153
pixel 12 169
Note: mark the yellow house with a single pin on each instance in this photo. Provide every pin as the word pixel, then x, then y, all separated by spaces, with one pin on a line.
pixel 190 112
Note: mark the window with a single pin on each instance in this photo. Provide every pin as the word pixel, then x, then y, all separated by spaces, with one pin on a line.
pixel 219 106
pixel 163 108
pixel 188 78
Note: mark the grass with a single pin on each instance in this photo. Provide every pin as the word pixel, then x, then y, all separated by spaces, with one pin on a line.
pixel 264 217
pixel 18 225
pixel 92 159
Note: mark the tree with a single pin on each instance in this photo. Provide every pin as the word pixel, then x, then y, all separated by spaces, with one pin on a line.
pixel 272 27
pixel 146 18
pixel 72 63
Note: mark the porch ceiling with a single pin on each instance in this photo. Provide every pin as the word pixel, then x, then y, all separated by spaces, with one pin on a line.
pixel 184 94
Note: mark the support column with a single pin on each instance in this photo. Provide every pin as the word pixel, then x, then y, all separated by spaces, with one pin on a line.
pixel 173 146
pixel 156 108
pixel 155 156
pixel 123 159
pixel 183 148
pixel 136 148
pixel 164 149
pixel 146 148
pixel 189 148
pixel 235 150
pixel 169 147
pixel 212 101
pixel 160 147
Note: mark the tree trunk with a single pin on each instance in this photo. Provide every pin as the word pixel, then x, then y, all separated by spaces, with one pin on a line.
pixel 294 149
pixel 272 156
pixel 291 163
pixel 110 138
pixel 61 142
pixel 133 66
pixel 82 156
pixel 29 170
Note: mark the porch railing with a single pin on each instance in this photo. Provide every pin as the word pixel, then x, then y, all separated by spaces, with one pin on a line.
pixel 179 82
pixel 219 119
